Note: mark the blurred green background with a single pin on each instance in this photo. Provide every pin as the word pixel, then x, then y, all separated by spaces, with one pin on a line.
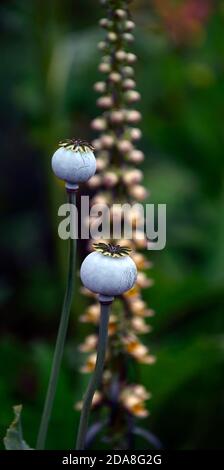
pixel 48 66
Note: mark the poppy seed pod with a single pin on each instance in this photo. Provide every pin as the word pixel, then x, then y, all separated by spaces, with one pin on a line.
pixel 74 162
pixel 108 271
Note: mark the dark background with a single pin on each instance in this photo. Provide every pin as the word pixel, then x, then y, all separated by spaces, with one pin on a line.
pixel 49 63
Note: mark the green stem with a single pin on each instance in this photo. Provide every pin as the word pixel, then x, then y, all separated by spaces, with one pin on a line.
pixel 59 348
pixel 96 377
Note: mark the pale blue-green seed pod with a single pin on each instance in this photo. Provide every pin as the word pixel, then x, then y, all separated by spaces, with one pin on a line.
pixel 74 162
pixel 108 275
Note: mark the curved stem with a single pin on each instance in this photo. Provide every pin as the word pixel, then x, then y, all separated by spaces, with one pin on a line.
pixel 59 348
pixel 96 377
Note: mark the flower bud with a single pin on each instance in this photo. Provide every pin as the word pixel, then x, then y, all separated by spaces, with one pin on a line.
pixel 94 182
pixel 133 176
pixel 99 124
pixel 110 179
pixel 135 133
pixel 105 102
pixel 128 71
pixel 140 326
pixel 117 117
pixel 138 306
pixel 120 13
pixel 104 67
pixel 129 25
pixel 136 156
pixel 103 22
pixel 107 141
pixel 128 37
pixel 100 87
pixel 138 192
pixel 89 344
pixel 121 55
pixel 115 77
pixel 128 84
pixel 131 58
pixel 133 116
pixel 112 37
pixel 90 364
pixel 124 146
pixel 132 96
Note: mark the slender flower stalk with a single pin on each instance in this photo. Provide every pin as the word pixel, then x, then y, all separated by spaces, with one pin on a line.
pixel 59 348
pixel 97 375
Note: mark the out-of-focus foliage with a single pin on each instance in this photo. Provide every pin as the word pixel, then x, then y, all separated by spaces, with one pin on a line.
pixel 14 436
pixel 48 65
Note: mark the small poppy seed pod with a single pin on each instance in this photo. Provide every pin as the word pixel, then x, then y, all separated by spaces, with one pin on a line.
pixel 108 271
pixel 74 162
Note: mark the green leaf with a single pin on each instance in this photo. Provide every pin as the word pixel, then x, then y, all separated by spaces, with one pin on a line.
pixel 14 436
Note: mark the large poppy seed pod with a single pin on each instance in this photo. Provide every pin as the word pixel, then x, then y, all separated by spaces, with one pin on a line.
pixel 74 162
pixel 108 271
